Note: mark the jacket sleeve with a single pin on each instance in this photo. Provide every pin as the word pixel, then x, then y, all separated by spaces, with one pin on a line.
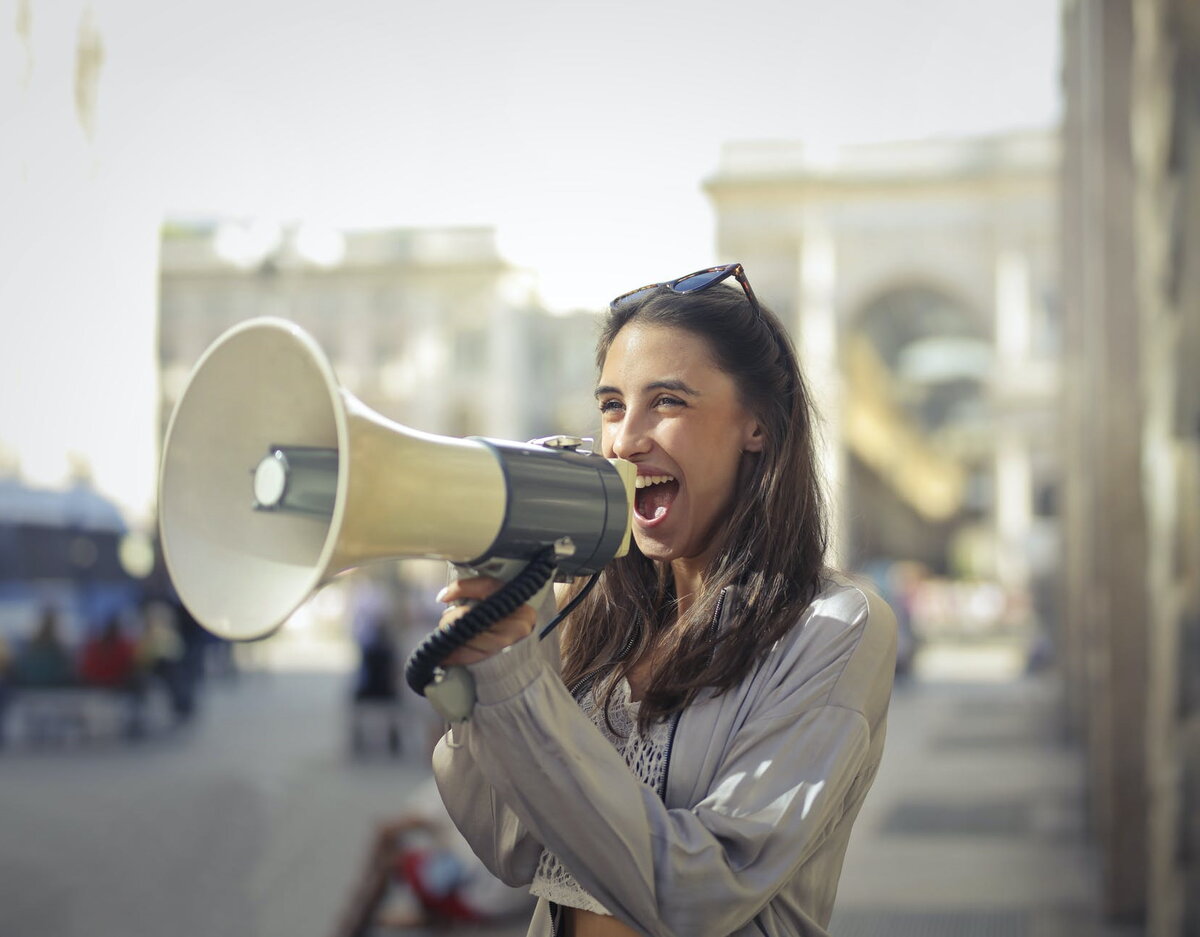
pixel 780 788
pixel 494 832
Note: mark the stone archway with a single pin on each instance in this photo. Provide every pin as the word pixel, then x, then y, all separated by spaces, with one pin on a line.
pixel 916 364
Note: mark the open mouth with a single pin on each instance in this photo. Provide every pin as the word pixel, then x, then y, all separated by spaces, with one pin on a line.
pixel 654 496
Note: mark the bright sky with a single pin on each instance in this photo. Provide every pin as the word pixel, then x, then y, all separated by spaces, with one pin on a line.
pixel 580 131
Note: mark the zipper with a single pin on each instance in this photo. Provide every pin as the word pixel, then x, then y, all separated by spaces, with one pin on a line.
pixel 633 633
pixel 662 785
pixel 585 685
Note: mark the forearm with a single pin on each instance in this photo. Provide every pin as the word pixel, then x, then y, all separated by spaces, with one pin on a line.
pixel 494 832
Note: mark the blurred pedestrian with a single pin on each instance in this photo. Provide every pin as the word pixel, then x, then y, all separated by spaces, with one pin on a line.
pixel 375 694
pixel 899 583
pixel 371 625
pixel 160 655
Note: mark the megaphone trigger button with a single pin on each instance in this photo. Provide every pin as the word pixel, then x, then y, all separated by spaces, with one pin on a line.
pixel 564 547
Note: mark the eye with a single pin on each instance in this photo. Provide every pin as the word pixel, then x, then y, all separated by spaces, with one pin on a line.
pixel 668 401
pixel 612 405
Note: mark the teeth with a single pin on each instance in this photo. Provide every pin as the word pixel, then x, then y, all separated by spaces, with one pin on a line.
pixel 645 481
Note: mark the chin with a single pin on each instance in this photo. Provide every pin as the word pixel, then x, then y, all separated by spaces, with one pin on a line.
pixel 661 552
pixel 654 549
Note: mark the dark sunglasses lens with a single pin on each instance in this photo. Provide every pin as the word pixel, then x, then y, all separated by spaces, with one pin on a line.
pixel 698 281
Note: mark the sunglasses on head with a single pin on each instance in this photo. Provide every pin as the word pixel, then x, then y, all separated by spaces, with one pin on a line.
pixel 694 283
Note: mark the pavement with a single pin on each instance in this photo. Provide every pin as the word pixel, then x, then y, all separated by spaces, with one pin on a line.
pixel 253 821
pixel 976 825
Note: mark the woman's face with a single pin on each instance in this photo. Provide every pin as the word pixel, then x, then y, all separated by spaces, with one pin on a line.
pixel 665 406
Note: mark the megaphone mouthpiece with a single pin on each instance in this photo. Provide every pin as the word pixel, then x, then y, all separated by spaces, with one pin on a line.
pixel 303 479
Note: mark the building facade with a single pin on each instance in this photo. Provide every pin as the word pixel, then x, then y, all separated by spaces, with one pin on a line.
pixel 920 284
pixel 430 327
pixel 1131 289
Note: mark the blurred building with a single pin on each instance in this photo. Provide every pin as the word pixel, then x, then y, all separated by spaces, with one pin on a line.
pixel 431 327
pixel 63 551
pixel 1131 290
pixel 919 281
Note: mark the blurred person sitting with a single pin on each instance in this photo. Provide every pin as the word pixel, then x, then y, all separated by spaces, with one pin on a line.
pixel 109 658
pixel 109 661
pixel 440 881
pixel 44 660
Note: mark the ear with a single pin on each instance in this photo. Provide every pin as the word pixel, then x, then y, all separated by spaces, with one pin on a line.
pixel 755 438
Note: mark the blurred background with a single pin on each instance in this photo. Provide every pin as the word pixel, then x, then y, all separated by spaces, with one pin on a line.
pixel 980 222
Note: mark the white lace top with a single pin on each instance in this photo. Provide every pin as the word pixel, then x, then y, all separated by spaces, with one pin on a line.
pixel 646 758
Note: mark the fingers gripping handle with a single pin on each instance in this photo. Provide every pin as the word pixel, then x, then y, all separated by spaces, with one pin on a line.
pixel 498 568
pixel 451 690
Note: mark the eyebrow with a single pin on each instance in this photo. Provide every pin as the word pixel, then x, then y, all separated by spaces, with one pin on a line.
pixel 677 386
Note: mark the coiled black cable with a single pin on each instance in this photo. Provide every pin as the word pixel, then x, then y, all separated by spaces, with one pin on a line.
pixel 439 644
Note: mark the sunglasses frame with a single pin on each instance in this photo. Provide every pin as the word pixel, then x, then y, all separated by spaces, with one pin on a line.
pixel 735 270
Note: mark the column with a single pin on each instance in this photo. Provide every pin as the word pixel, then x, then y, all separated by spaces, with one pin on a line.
pixel 817 345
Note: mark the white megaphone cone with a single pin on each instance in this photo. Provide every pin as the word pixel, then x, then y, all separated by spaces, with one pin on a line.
pixel 275 479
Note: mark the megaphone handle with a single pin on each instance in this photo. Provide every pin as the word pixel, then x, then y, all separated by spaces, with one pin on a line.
pixel 506 570
pixel 422 668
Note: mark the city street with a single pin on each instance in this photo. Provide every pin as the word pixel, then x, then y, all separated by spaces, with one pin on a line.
pixel 254 821
pixel 250 822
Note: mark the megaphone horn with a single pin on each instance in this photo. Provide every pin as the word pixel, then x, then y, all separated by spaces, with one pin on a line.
pixel 275 479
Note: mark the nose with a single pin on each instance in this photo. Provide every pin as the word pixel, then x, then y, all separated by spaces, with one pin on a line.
pixel 630 438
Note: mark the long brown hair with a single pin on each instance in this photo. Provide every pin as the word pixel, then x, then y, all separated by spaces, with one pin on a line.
pixel 773 542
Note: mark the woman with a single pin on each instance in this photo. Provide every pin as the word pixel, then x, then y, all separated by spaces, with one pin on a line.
pixel 693 761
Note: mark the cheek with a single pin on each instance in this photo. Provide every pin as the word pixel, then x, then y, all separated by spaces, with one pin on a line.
pixel 723 463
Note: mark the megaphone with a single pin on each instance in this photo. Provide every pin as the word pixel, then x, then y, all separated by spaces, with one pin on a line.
pixel 275 479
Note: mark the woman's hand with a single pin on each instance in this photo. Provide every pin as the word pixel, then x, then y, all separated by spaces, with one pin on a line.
pixel 505 632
